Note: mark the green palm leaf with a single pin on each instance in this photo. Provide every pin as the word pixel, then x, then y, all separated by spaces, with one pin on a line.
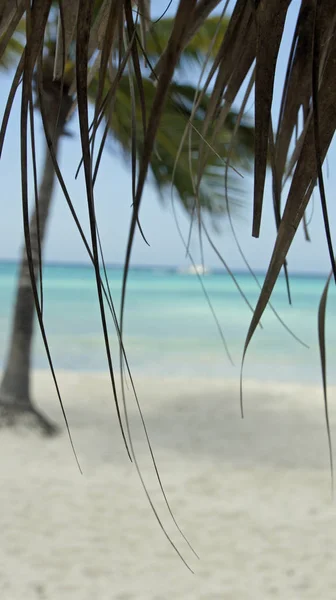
pixel 176 116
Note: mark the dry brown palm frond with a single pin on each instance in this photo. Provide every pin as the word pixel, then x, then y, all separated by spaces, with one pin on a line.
pixel 253 35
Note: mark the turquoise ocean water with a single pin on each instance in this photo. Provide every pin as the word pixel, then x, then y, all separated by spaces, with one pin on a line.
pixel 169 328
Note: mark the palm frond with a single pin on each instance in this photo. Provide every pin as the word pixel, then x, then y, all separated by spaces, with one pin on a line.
pixel 209 35
pixel 174 120
pixel 12 38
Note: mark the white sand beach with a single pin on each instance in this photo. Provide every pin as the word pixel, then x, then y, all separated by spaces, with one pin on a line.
pixel 253 495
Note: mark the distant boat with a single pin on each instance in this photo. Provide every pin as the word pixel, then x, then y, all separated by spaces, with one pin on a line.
pixel 195 270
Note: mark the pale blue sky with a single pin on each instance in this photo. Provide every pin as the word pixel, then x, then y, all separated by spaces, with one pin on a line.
pixel 113 198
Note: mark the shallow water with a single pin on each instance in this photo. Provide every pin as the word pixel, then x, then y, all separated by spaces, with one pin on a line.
pixel 169 328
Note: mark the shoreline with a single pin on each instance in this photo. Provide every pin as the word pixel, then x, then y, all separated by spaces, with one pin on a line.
pixel 193 384
pixel 174 379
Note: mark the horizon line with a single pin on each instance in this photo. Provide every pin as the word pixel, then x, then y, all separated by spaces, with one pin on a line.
pixel 117 265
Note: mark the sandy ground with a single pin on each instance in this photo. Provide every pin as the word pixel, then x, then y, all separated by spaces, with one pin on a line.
pixel 253 496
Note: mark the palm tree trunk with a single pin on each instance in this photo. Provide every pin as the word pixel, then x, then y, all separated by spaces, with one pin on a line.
pixel 15 393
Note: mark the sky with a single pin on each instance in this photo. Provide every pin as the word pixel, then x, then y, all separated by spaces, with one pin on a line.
pixel 113 203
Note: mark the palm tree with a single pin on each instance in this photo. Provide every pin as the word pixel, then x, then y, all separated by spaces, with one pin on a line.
pixel 55 98
pixel 15 396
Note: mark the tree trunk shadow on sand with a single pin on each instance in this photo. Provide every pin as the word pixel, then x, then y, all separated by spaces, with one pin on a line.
pixel 14 415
